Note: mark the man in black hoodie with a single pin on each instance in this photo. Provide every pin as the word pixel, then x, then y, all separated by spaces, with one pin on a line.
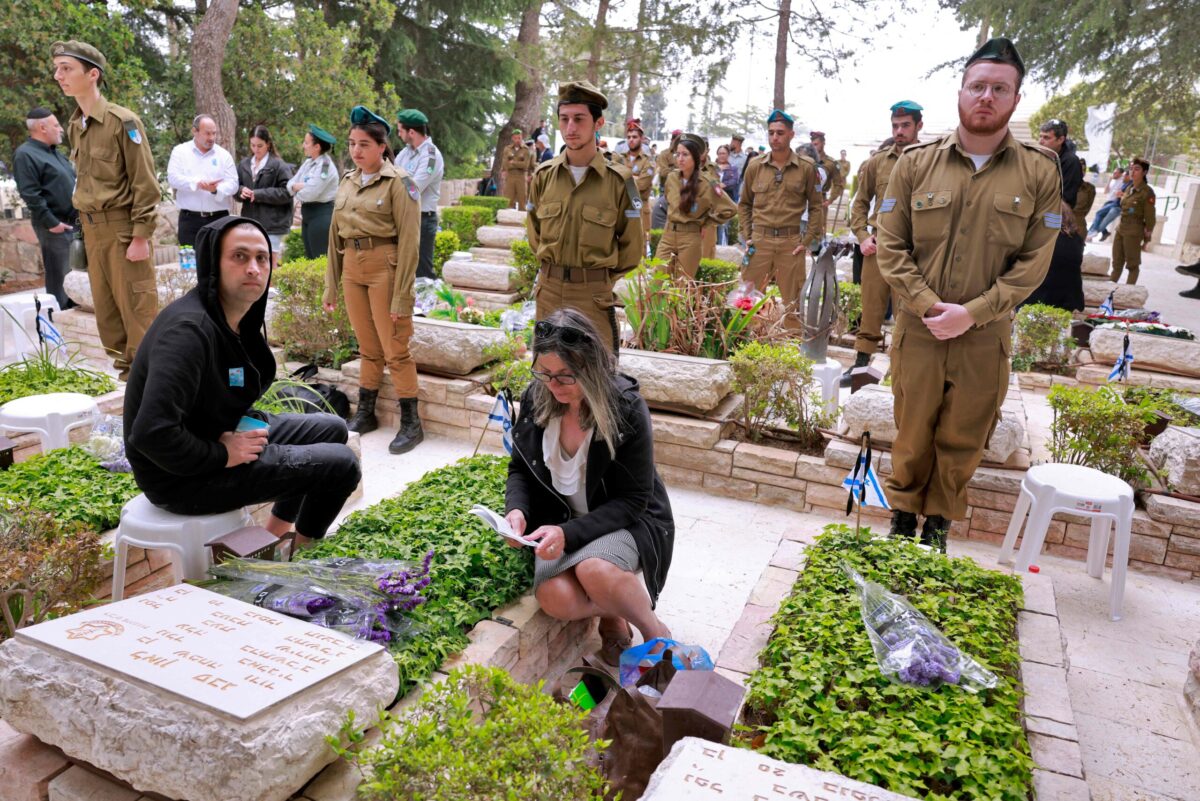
pixel 201 367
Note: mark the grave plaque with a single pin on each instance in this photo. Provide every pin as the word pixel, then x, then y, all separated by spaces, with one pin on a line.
pixel 701 770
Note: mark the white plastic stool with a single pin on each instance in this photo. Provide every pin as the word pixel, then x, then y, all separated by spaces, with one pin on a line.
pixel 1050 488
pixel 21 324
pixel 52 416
pixel 144 525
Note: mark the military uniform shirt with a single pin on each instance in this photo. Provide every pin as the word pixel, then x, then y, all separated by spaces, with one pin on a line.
pixel 425 165
pixel 518 158
pixel 1137 210
pixel 114 166
pixel 774 198
pixel 642 167
pixel 320 178
pixel 710 206
pixel 981 238
pixel 873 179
pixel 594 223
pixel 663 164
pixel 835 182
pixel 1083 204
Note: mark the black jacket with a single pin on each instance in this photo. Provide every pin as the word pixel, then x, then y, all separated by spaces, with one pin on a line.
pixel 193 378
pixel 46 181
pixel 625 492
pixel 272 204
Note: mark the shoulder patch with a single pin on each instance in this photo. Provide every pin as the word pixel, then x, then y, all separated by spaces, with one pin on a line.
pixel 411 187
pixel 131 129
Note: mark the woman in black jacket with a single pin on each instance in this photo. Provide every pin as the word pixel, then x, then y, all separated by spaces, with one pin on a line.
pixel 264 191
pixel 582 481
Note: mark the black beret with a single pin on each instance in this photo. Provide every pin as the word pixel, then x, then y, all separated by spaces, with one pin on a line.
pixel 1001 50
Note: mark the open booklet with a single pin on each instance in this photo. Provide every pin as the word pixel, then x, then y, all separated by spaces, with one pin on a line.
pixel 500 525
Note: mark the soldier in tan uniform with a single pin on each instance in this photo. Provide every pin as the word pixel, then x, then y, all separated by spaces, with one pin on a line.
pixel 374 247
pixel 518 162
pixel 776 191
pixel 872 186
pixel 1136 223
pixel 585 216
pixel 664 162
pixel 695 200
pixel 965 233
pixel 117 194
pixel 835 181
pixel 843 165
pixel 641 165
pixel 1083 201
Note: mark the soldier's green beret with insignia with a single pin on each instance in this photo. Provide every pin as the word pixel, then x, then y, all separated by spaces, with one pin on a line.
pixel 516 132
pixel 361 115
pixel 322 135
pixel 779 115
pixel 411 116
pixel 906 105
pixel 581 92
pixel 698 141
pixel 80 50
pixel 1001 50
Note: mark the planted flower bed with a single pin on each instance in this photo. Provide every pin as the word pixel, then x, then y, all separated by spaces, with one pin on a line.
pixel 820 699
pixel 72 486
pixel 42 373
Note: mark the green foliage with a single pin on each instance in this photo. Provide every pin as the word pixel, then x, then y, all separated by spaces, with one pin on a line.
pixel 734 229
pixel 69 484
pixel 307 331
pixel 526 264
pixel 777 383
pixel 1098 429
pixel 655 236
pixel 1042 338
pixel 293 247
pixel 511 371
pixel 276 400
pixel 47 370
pixel 819 699
pixel 718 271
pixel 477 736
pixel 445 245
pixel 489 202
pixel 464 220
pixel 1165 401
pixel 849 305
pixel 473 570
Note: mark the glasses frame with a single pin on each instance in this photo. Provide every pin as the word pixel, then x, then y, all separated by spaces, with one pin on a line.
pixel 1000 91
pixel 564 379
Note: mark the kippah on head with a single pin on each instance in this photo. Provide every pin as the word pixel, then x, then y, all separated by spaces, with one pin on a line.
pixel 1002 51
pixel 39 113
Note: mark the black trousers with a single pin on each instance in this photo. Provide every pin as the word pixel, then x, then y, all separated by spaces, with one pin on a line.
pixel 190 223
pixel 306 468
pixel 429 223
pixel 314 228
pixel 56 253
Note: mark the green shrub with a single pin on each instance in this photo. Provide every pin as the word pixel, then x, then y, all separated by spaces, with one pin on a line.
pixel 717 271
pixel 293 247
pixel 1042 338
pixel 473 570
pixel 1165 401
pixel 488 202
pixel 69 484
pixel 778 388
pixel 526 263
pixel 511 371
pixel 477 736
pixel 45 371
pixel 445 245
pixel 307 331
pixel 655 236
pixel 819 698
pixel 734 230
pixel 849 305
pixel 465 220
pixel 1098 429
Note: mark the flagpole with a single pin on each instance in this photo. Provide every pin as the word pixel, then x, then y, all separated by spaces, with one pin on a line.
pixel 863 492
pixel 486 423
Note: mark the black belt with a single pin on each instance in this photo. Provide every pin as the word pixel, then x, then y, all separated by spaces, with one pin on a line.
pixel 205 214
pixel 574 275
pixel 368 242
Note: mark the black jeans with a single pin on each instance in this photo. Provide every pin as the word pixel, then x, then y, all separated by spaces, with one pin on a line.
pixel 190 223
pixel 429 223
pixel 56 249
pixel 306 468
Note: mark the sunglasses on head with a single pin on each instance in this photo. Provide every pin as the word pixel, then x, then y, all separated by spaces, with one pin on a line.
pixel 566 334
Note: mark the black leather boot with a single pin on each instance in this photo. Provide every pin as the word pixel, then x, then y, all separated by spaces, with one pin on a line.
pixel 410 434
pixel 935 531
pixel 904 524
pixel 860 360
pixel 364 420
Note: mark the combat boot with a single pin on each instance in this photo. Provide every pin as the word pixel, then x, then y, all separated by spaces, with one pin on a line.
pixel 904 524
pixel 410 434
pixel 860 360
pixel 935 531
pixel 364 420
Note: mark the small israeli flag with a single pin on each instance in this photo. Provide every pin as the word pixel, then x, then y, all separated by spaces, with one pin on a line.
pixel 1106 308
pixel 1120 371
pixel 864 485
pixel 48 332
pixel 502 413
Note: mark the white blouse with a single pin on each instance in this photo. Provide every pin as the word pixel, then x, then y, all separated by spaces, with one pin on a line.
pixel 567 473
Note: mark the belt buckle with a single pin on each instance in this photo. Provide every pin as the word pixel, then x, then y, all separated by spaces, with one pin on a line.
pixel 356 240
pixel 567 273
pixel 774 232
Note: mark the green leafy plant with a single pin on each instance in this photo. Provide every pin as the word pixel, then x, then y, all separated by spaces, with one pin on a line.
pixel 307 331
pixel 526 263
pixel 1165 401
pixel 512 370
pixel 69 484
pixel 49 370
pixel 1042 338
pixel 820 699
pixel 777 384
pixel 477 736
pixel 293 247
pixel 849 306
pixel 279 400
pixel 655 236
pixel 487 202
pixel 734 230
pixel 465 220
pixel 717 271
pixel 1099 429
pixel 473 571
pixel 445 245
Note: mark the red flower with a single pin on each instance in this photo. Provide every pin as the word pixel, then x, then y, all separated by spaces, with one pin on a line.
pixel 744 303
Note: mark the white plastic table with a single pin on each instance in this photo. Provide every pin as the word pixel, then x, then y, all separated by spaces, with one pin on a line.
pixel 52 416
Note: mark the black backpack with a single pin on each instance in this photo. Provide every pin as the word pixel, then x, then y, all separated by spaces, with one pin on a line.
pixel 315 396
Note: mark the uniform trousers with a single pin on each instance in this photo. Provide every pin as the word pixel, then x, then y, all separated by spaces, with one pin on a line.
pixel 124 292
pixel 948 395
pixel 773 262
pixel 708 241
pixel 515 188
pixel 876 295
pixel 1126 253
pixel 314 228
pixel 368 277
pixel 56 262
pixel 429 226
pixel 592 297
pixel 680 247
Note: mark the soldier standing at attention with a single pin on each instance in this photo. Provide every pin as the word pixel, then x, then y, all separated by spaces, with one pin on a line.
pixel 965 233
pixel 421 159
pixel 518 161
pixel 835 181
pixel 641 165
pixel 843 165
pixel 872 186
pixel 117 196
pixel 1136 224
pixel 585 217
pixel 778 188
pixel 694 200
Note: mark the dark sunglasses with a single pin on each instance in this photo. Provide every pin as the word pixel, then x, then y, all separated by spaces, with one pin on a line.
pixel 569 336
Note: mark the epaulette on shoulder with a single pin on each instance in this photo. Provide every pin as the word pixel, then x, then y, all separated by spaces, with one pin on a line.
pixel 918 145
pixel 539 167
pixel 121 113
pixel 619 169
pixel 804 157
pixel 347 173
pixel 1045 151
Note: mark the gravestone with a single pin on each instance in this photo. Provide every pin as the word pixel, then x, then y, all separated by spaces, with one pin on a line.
pixel 701 770
pixel 190 694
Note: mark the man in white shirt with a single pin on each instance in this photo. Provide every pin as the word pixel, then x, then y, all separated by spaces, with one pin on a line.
pixel 204 178
pixel 423 161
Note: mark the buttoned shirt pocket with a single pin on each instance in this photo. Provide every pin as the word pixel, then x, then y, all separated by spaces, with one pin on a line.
pixel 549 209
pixel 930 215
pixel 1009 219
pixel 764 181
pixel 103 163
pixel 597 230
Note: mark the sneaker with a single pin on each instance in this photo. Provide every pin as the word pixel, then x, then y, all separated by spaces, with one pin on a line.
pixel 1103 235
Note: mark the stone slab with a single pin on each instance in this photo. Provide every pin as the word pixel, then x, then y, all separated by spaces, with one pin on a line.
pixel 1094 264
pixel 1177 450
pixel 1125 296
pixel 466 275
pixel 499 236
pixel 1175 511
pixel 681 381
pixel 446 347
pixel 701 770
pixel 511 217
pixel 1150 352
pixel 78 784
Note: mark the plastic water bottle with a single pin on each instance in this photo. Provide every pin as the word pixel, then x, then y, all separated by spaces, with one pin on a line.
pixel 187 258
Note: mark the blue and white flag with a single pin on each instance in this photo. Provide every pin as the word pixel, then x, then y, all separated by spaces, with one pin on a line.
pixel 48 332
pixel 1120 371
pixel 1106 308
pixel 864 485
pixel 502 413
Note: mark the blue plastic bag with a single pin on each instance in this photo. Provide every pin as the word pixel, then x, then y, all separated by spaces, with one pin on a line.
pixel 637 660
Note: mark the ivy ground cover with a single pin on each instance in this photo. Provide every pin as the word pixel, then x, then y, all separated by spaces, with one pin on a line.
pixel 819 698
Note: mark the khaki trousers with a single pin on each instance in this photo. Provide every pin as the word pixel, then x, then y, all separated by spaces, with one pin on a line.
pixel 708 239
pixel 681 250
pixel 515 189
pixel 773 262
pixel 593 298
pixel 368 277
pixel 948 396
pixel 1126 252
pixel 876 294
pixel 124 292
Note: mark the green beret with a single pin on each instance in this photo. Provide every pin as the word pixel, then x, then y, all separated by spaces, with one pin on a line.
pixel 322 135
pixel 409 117
pixel 1001 50
pixel 698 141
pixel 778 115
pixel 516 131
pixel 581 92
pixel 361 115
pixel 80 50
pixel 906 105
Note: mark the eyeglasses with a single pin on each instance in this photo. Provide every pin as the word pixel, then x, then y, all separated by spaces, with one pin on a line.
pixel 565 379
pixel 569 336
pixel 1000 91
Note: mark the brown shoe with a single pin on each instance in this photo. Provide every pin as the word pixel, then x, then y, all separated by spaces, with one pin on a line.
pixel 612 645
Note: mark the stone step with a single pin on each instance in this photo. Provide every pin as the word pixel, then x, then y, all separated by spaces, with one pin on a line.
pixel 490 301
pixel 511 217
pixel 1179 357
pixel 1097 375
pixel 499 236
pixel 1125 296
pixel 495 255
pixel 480 274
pixel 1095 264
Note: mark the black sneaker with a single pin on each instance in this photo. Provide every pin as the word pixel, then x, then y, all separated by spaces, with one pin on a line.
pixel 1103 235
pixel 935 531
pixel 1194 292
pixel 1192 270
pixel 904 524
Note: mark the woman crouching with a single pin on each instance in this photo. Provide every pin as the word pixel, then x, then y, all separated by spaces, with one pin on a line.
pixel 582 481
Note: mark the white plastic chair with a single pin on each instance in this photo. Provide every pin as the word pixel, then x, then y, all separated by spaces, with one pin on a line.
pixel 21 324
pixel 145 525
pixel 51 416
pixel 1050 488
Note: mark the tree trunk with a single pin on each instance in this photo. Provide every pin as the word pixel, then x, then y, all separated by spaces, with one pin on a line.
pixel 635 63
pixel 208 54
pixel 593 67
pixel 983 34
pixel 781 42
pixel 530 90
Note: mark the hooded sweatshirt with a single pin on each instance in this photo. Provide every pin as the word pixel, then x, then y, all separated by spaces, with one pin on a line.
pixel 193 379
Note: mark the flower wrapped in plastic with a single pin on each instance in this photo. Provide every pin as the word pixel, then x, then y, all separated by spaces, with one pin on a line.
pixel 107 443
pixel 425 294
pixel 744 297
pixel 908 648
pixel 516 320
